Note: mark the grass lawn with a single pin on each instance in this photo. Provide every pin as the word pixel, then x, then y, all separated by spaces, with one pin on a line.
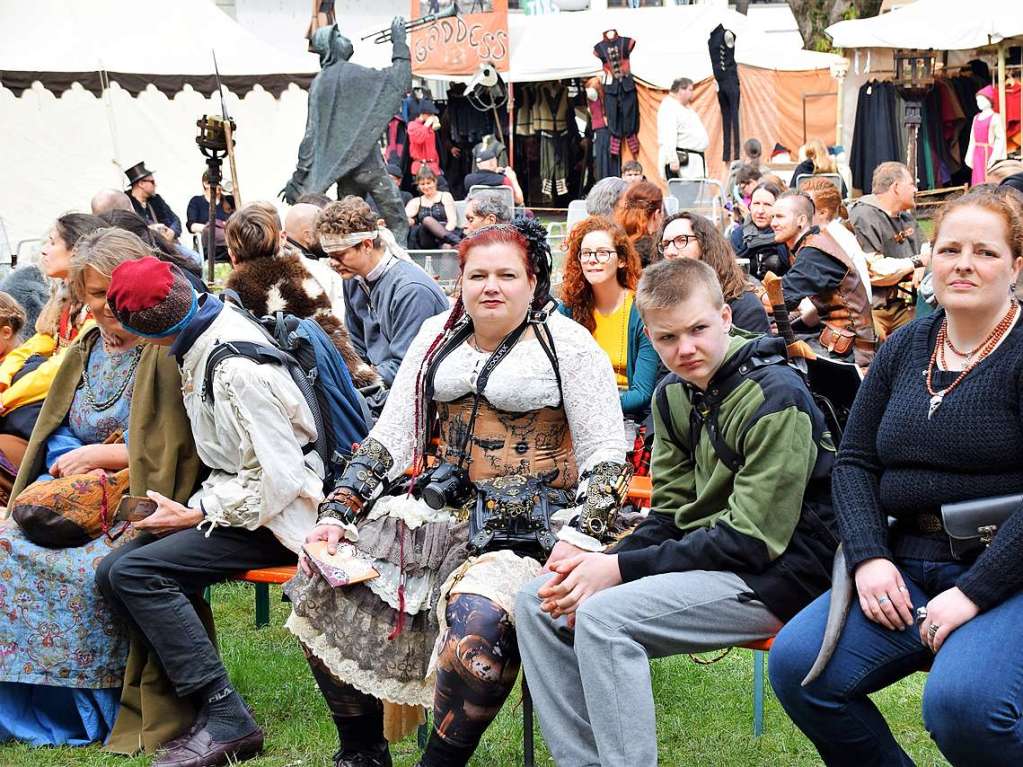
pixel 705 712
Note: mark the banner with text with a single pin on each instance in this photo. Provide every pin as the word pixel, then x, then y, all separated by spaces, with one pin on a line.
pixel 457 45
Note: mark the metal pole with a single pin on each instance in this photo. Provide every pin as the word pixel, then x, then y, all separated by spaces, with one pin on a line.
pixel 1001 92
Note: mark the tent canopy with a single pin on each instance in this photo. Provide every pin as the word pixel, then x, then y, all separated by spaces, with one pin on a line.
pixel 560 46
pixel 946 25
pixel 138 43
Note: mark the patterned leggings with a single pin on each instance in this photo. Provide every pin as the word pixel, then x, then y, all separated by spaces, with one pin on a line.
pixel 476 670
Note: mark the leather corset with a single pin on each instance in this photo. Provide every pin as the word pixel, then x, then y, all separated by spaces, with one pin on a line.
pixel 847 306
pixel 535 442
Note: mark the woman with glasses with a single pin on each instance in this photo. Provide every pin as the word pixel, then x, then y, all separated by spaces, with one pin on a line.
pixel 601 272
pixel 689 235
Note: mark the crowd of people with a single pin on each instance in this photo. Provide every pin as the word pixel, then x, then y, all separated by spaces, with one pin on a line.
pixel 498 431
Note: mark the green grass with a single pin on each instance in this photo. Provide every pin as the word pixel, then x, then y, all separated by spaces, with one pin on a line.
pixel 704 712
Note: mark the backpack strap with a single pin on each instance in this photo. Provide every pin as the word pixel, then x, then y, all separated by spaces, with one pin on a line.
pixel 267 354
pixel 705 408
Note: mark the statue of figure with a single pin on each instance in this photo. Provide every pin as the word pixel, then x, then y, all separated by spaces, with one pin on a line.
pixel 349 108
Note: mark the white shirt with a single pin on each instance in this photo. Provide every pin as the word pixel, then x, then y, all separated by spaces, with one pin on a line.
pixel 331 283
pixel 252 439
pixel 679 127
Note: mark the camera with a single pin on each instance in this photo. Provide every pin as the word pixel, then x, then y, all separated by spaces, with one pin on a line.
pixel 447 485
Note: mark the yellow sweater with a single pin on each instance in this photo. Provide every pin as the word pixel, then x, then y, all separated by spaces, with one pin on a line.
pixel 612 335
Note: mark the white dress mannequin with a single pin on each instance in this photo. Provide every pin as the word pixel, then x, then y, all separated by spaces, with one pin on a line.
pixel 987 140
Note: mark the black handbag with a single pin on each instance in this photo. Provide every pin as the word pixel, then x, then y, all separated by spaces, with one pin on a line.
pixel 683 157
pixel 972 525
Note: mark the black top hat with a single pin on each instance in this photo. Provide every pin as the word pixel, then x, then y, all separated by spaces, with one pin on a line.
pixel 427 107
pixel 137 172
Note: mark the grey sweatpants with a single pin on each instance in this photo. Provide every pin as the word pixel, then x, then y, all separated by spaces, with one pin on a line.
pixel 591 686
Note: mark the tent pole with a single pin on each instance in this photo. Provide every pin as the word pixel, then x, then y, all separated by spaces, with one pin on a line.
pixel 511 124
pixel 1001 88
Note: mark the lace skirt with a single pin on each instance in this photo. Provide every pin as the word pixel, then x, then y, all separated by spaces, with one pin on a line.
pixel 382 642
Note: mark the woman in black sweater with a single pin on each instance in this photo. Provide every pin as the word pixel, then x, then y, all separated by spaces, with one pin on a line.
pixel 937 420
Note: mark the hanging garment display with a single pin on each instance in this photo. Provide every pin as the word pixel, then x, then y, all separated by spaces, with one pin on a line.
pixel 726 74
pixel 550 118
pixel 621 102
pixel 604 163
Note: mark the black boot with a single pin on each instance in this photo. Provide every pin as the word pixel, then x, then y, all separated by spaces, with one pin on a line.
pixel 375 756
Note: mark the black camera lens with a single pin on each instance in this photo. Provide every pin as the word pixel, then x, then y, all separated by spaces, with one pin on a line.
pixel 434 496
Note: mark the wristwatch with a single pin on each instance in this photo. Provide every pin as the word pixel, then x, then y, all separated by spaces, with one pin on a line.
pixel 918 262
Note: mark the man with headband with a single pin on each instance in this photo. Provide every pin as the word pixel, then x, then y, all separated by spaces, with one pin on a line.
pixel 386 298
pixel 251 426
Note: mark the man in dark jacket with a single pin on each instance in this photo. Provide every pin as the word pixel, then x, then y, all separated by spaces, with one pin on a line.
pixel 739 538
pixel 147 203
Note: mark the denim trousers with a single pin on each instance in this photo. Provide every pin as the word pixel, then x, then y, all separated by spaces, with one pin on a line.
pixel 972 698
pixel 150 581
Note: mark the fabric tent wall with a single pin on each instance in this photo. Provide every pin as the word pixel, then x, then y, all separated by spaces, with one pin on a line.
pixel 771 110
pixel 58 151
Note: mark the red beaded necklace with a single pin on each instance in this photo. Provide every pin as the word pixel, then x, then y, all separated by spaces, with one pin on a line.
pixel 982 351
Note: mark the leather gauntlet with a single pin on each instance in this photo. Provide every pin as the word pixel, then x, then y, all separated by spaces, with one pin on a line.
pixel 608 484
pixel 360 482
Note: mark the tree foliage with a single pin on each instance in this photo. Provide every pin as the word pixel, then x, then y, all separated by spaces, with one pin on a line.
pixel 814 16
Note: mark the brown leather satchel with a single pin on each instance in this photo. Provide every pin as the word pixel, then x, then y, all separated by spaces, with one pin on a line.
pixel 837 340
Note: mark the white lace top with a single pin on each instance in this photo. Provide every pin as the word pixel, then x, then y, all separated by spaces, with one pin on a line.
pixel 523 381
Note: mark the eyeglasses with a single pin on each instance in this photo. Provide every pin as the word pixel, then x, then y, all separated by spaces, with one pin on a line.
pixel 601 255
pixel 681 241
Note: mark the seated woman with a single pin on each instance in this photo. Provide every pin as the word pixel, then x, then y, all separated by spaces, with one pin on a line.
pixel 598 292
pixel 197 217
pixel 755 239
pixel 689 235
pixel 913 443
pixel 64 651
pixel 271 276
pixel 28 370
pixel 431 216
pixel 525 403
pixel 641 213
pixel 130 221
pixel 814 160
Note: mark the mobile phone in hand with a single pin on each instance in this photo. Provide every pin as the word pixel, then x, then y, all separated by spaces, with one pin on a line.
pixel 133 508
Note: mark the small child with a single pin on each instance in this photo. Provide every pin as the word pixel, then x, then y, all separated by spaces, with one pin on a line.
pixel 632 172
pixel 12 320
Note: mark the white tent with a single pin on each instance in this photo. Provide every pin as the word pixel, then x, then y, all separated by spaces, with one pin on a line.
pixel 147 38
pixel 61 143
pixel 670 42
pixel 944 25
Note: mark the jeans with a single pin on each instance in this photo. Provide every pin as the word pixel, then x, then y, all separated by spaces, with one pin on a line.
pixel 150 580
pixel 972 699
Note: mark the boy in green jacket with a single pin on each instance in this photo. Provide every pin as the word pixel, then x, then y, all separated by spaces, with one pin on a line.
pixel 740 536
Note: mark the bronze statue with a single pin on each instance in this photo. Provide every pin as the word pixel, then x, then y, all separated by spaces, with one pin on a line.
pixel 349 108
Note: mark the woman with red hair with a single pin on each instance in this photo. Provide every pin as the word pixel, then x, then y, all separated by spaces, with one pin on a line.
pixel 601 273
pixel 526 410
pixel 641 213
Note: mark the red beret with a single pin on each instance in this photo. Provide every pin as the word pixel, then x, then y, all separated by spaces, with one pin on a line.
pixel 140 284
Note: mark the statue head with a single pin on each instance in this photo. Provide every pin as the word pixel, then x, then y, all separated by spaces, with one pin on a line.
pixel 331 45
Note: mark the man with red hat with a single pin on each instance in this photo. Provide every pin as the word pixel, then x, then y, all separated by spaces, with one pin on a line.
pixel 250 423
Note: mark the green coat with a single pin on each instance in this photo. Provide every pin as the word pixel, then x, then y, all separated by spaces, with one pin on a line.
pixel 161 457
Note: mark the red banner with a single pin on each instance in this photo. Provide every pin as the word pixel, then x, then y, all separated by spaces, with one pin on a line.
pixel 457 45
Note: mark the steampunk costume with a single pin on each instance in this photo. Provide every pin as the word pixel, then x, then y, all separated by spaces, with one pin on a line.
pixel 621 102
pixel 518 429
pixel 826 274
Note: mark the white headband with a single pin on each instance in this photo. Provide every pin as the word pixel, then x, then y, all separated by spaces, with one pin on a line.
pixel 331 242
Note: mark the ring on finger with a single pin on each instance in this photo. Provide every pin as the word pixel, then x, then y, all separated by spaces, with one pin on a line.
pixel 933 629
pixel 903 588
pixel 882 600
